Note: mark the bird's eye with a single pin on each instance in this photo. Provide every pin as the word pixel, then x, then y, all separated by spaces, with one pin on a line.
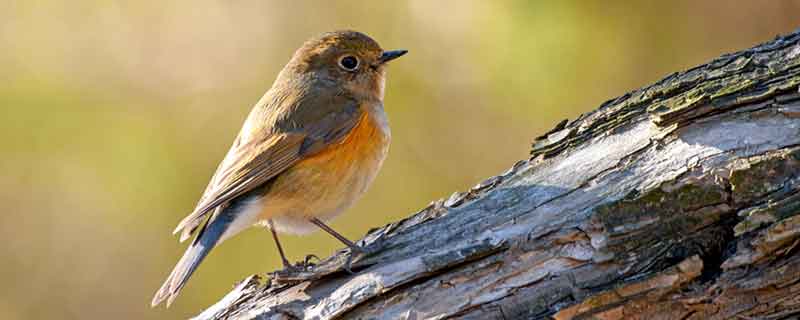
pixel 348 63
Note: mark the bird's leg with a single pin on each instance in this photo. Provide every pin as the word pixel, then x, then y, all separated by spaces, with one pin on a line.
pixel 353 247
pixel 335 234
pixel 285 261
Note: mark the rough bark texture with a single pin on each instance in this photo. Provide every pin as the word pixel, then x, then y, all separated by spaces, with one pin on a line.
pixel 680 200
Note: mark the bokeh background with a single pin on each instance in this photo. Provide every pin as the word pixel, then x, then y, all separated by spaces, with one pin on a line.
pixel 115 113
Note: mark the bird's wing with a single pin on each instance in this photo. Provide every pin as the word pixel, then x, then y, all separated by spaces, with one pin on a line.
pixel 271 141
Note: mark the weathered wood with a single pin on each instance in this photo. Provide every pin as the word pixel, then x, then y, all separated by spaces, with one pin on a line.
pixel 680 200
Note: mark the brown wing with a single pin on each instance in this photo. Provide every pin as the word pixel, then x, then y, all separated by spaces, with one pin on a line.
pixel 274 138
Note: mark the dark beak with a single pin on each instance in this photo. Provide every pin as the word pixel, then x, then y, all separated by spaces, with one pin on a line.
pixel 391 55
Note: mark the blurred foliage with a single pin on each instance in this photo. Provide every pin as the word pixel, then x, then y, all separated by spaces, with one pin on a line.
pixel 115 114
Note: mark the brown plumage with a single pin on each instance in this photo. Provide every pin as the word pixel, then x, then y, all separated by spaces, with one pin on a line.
pixel 309 149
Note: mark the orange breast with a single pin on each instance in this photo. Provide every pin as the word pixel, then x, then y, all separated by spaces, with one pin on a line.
pixel 327 183
pixel 363 141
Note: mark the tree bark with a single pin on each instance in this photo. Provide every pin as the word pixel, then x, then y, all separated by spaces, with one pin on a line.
pixel 680 200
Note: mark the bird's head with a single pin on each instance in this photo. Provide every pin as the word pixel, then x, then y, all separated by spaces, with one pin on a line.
pixel 349 60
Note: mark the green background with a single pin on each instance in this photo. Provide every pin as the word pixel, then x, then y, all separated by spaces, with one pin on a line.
pixel 115 114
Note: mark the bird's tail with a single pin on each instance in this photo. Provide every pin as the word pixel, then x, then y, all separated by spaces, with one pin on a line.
pixel 206 239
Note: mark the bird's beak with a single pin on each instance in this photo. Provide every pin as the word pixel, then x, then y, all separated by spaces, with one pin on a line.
pixel 391 55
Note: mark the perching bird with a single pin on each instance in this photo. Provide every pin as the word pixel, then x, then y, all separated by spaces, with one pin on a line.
pixel 308 150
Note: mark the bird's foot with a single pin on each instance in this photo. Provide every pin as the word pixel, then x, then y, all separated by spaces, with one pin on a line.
pixel 355 251
pixel 307 260
pixel 295 272
pixel 301 266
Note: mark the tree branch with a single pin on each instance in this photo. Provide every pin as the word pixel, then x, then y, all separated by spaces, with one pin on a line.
pixel 680 200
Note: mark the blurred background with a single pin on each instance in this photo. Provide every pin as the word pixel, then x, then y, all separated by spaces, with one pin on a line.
pixel 115 115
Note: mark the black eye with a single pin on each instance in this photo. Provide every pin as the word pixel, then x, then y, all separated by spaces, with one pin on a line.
pixel 349 63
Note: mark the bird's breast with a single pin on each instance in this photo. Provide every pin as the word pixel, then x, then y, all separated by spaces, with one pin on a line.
pixel 329 182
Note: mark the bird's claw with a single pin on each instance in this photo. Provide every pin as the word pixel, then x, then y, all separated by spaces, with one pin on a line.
pixel 354 251
pixel 300 266
pixel 292 272
pixel 307 261
pixel 306 266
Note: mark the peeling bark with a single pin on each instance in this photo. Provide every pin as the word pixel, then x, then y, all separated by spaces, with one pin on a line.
pixel 680 200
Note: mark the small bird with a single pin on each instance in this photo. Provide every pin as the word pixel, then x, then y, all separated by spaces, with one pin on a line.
pixel 308 150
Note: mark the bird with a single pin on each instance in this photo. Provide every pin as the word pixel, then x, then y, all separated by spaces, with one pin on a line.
pixel 309 149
